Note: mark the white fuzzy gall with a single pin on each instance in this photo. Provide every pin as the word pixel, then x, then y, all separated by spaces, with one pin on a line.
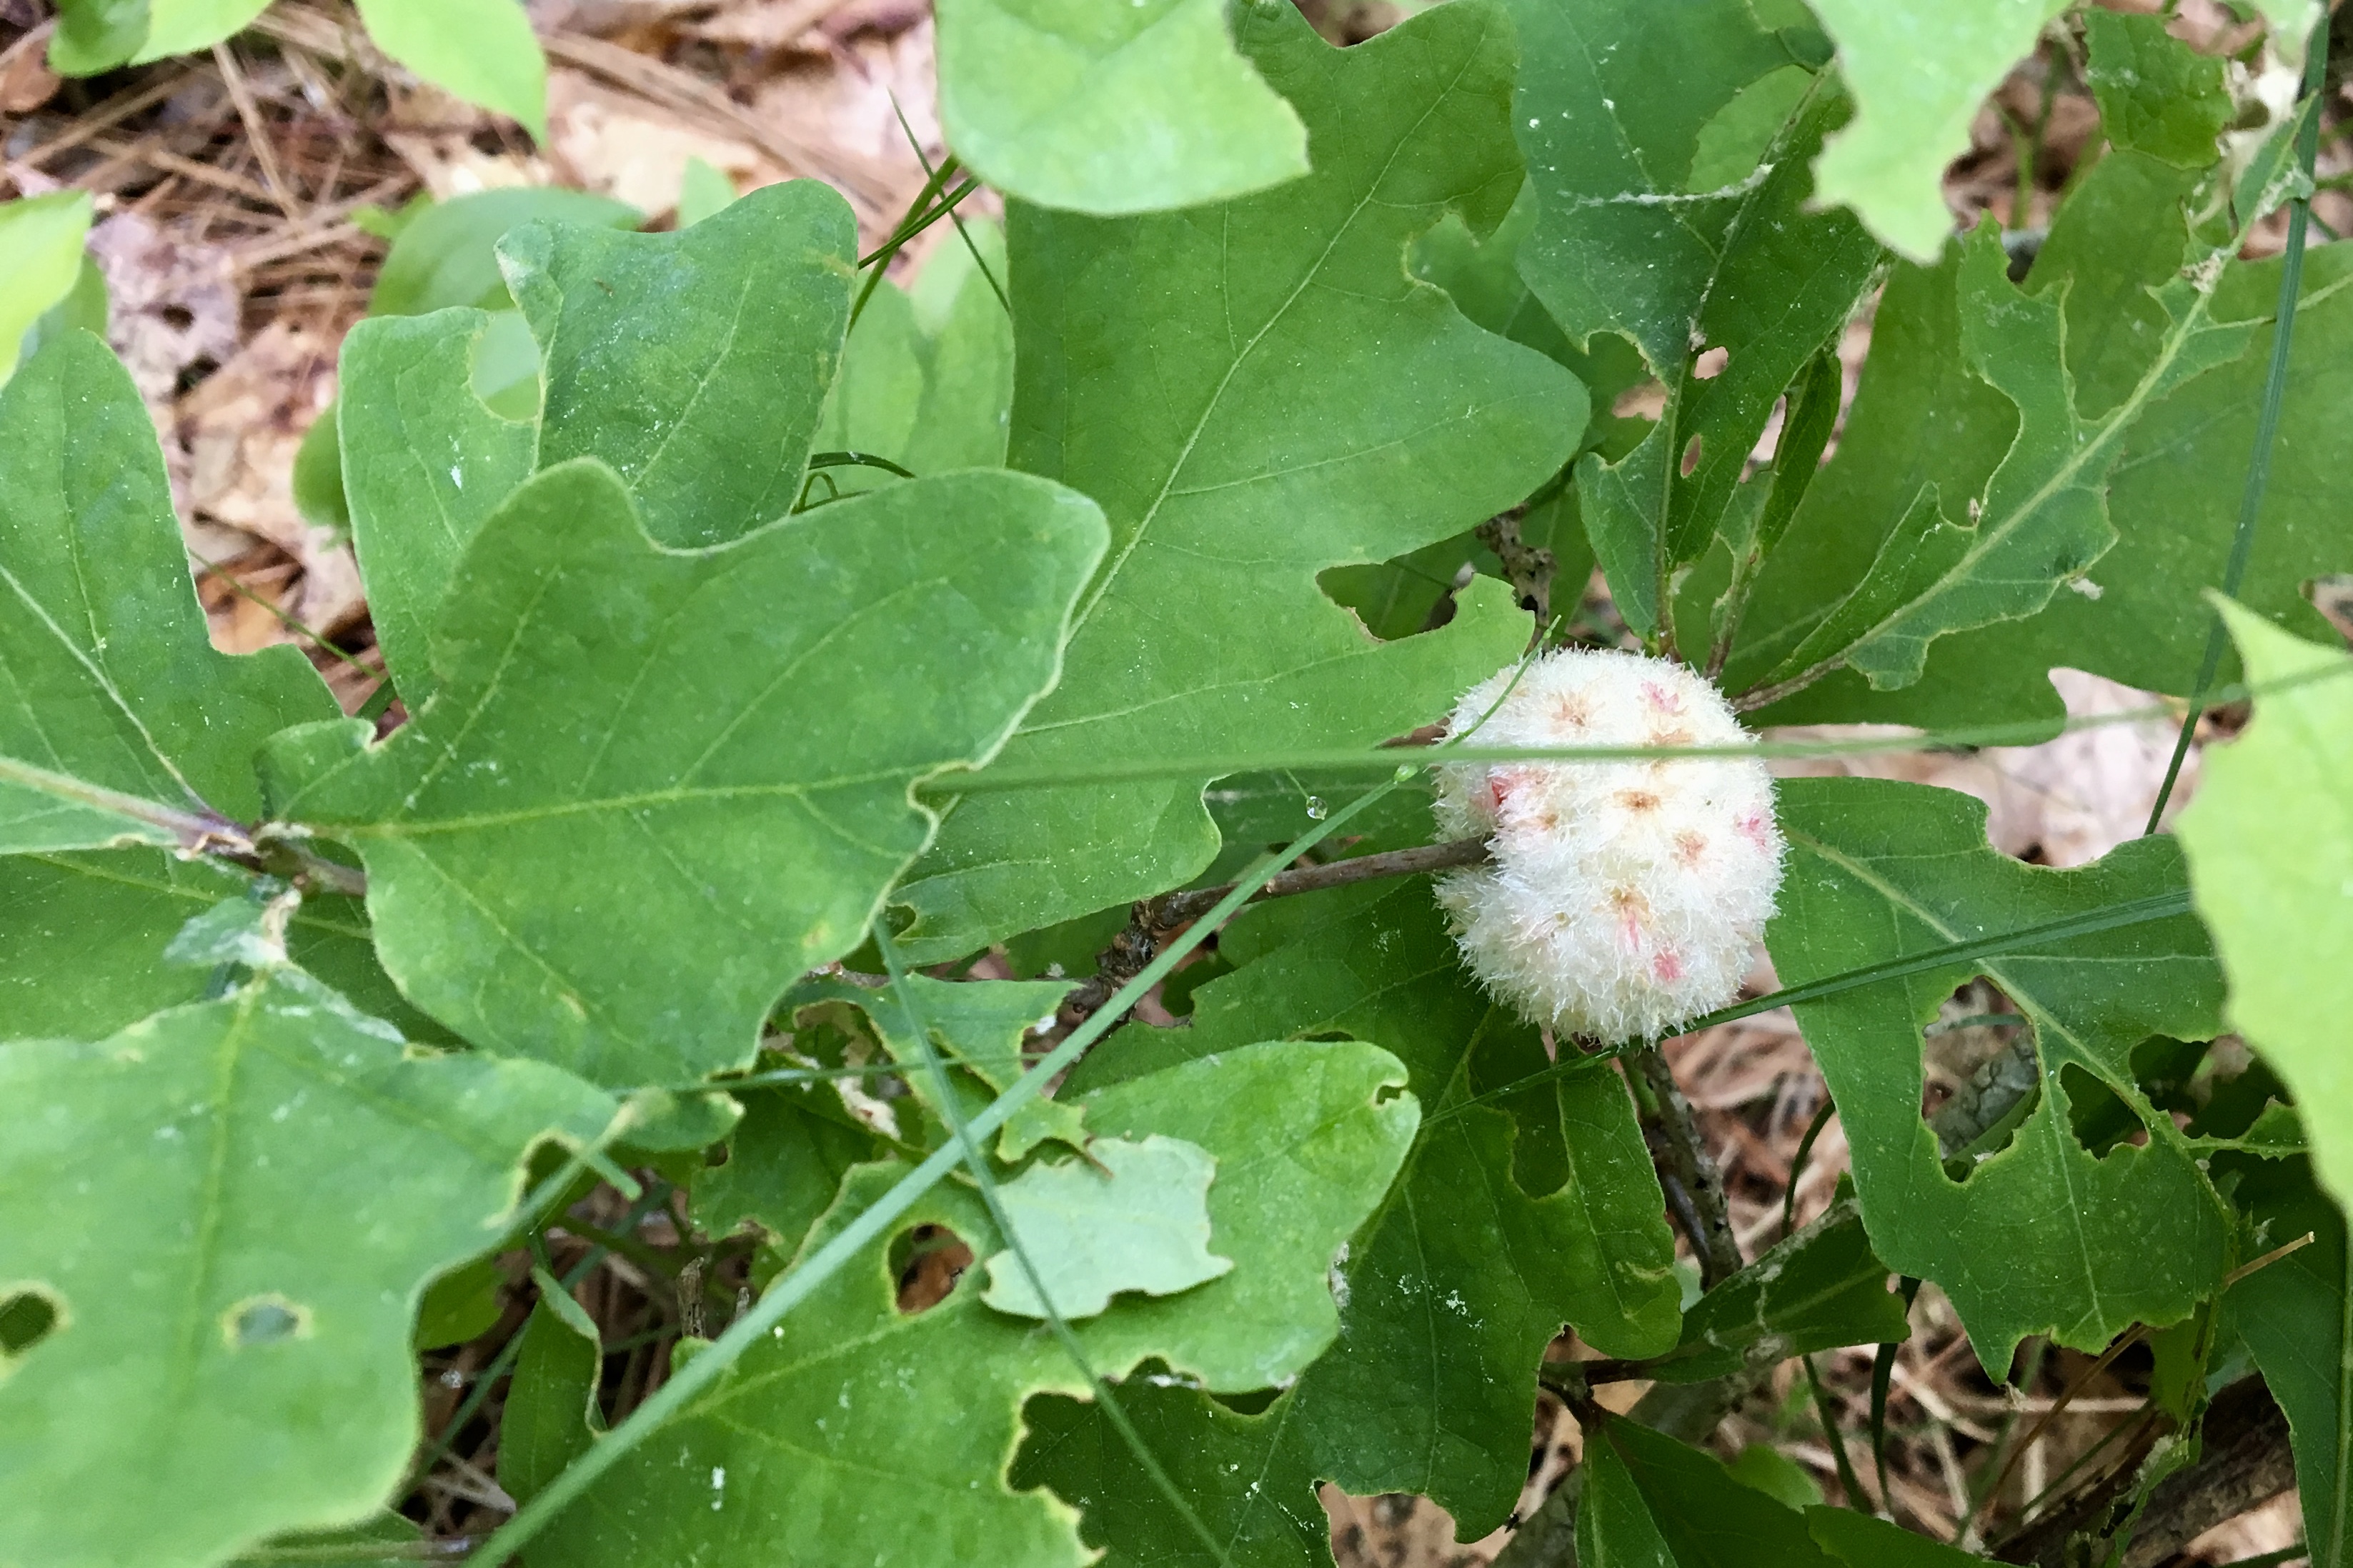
pixel 1622 896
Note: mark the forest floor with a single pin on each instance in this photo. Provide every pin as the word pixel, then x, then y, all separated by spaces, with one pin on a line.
pixel 234 192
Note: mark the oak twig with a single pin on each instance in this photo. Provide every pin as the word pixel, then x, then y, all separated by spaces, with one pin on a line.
pixel 1153 921
pixel 1685 1163
pixel 2243 1461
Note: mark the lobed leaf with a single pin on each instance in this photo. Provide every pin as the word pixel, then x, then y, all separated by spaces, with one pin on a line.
pixel 41 255
pixel 649 776
pixel 1111 109
pixel 1255 392
pixel 2043 1235
pixel 1918 69
pixel 2041 519
pixel 1646 229
pixel 2156 94
pixel 981 1030
pixel 1650 1499
pixel 165 1193
pixel 2270 842
pixel 1818 1289
pixel 2174 471
pixel 113 687
pixel 695 363
pixel 858 1428
pixel 1128 1217
pixel 86 932
pixel 1507 1222
pixel 479 50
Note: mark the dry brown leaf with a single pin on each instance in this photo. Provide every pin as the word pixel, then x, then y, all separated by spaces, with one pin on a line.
pixel 240 427
pixel 770 25
pixel 620 143
pixel 2064 803
pixel 26 83
pixel 173 302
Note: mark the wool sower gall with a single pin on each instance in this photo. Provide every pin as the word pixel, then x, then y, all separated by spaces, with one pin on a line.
pixel 1622 896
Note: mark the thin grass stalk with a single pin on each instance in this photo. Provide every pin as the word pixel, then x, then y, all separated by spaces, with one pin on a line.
pixel 2259 463
pixel 985 1180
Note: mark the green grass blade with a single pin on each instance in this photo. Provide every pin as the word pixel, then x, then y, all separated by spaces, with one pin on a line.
pixel 2267 419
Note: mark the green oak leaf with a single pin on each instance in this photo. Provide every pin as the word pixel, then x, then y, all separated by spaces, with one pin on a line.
pixel 163 1191
pixel 1924 415
pixel 858 1429
pixel 1510 1219
pixel 550 1416
pixel 95 36
pixel 1250 1479
pixel 446 252
pixel 785 1163
pixel 2043 519
pixel 685 774
pixel 980 1029
pixel 704 189
pixel 41 255
pixel 2156 94
pixel 2042 1236
pixel 1649 1499
pixel 481 50
pixel 444 255
pixel 1629 241
pixel 695 363
pixel 967 414
pixel 112 687
pixel 1918 69
pixel 1128 1217
pixel 1111 109
pixel 1256 392
pixel 398 1534
pixel 424 462
pixel 927 378
pixel 1859 1541
pixel 2270 841
pixel 461 1305
pixel 1821 1289
pixel 66 921
pixel 1621 243
pixel 2293 1314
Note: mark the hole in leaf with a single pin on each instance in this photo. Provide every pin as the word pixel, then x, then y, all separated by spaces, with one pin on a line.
pixel 1646 399
pixel 2100 1118
pixel 264 1320
pixel 1254 1402
pixel 27 1317
pixel 1690 458
pixel 926 1262
pixel 1710 365
pixel 1978 1074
